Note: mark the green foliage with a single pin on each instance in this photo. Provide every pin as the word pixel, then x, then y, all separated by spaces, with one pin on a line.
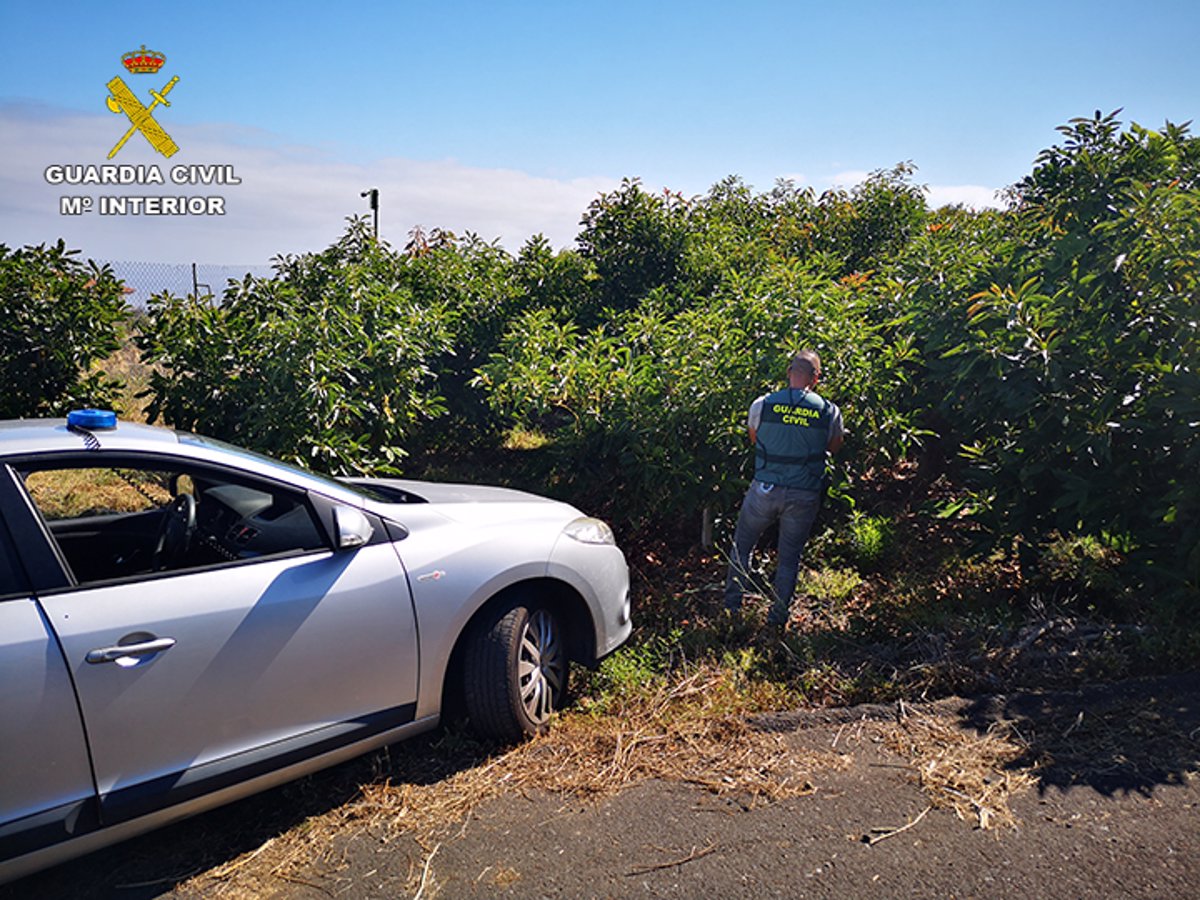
pixel 646 413
pixel 58 317
pixel 1083 564
pixel 326 364
pixel 830 586
pixel 873 222
pixel 1044 355
pixel 475 288
pixel 649 407
pixel 560 282
pixel 636 668
pixel 1070 374
pixel 635 241
pixel 871 538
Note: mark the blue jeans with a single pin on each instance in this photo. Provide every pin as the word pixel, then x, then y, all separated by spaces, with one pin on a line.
pixel 795 510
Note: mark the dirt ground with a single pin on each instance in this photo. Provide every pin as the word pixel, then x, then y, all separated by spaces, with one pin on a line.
pixel 1091 793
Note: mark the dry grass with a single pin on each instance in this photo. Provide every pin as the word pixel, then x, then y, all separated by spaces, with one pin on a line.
pixel 680 731
pixel 70 493
pixel 125 364
pixel 972 774
pixel 674 732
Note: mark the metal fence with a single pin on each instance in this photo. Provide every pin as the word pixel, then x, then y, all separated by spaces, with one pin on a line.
pixel 144 279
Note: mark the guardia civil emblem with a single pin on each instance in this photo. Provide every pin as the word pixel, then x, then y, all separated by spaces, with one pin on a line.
pixel 141 119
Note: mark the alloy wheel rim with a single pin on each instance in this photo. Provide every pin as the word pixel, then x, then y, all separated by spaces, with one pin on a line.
pixel 540 666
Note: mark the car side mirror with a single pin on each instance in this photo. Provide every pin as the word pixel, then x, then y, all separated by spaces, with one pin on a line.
pixel 353 527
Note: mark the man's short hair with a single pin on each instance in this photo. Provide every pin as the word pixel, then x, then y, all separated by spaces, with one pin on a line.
pixel 806 362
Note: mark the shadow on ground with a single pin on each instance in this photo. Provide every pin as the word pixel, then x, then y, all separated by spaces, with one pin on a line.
pixel 154 864
pixel 1129 737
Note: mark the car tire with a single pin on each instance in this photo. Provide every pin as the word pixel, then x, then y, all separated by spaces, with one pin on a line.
pixel 516 670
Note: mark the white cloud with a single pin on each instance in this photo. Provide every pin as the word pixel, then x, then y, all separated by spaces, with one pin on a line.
pixel 290 199
pixel 845 180
pixel 973 196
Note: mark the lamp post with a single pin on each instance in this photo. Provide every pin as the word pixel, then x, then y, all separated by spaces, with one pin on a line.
pixel 373 193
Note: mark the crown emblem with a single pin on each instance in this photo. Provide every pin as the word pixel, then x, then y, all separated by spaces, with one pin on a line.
pixel 143 62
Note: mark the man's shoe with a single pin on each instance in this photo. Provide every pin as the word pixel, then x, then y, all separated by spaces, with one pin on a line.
pixel 771 634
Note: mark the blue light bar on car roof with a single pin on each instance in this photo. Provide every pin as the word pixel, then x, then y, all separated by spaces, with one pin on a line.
pixel 92 418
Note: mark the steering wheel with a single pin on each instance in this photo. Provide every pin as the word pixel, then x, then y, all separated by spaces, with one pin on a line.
pixel 175 532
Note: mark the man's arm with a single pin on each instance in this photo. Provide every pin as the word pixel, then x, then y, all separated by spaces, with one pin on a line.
pixel 754 419
pixel 837 432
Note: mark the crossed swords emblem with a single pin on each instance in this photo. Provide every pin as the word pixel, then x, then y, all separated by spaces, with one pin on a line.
pixel 122 99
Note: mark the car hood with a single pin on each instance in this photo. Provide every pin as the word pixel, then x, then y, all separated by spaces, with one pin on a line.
pixel 406 491
pixel 469 503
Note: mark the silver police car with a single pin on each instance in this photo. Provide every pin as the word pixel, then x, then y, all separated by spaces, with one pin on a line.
pixel 183 622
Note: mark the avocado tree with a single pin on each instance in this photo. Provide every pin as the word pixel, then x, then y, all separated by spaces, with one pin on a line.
pixel 1069 370
pixel 58 317
pixel 326 364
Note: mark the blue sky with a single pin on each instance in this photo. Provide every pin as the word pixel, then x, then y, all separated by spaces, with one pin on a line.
pixel 507 118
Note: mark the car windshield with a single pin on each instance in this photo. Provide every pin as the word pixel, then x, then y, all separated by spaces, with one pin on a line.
pixel 186 437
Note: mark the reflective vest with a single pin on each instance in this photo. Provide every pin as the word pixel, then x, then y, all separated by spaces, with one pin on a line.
pixel 789 447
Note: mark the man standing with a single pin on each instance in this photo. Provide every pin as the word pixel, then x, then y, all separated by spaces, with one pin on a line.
pixel 791 431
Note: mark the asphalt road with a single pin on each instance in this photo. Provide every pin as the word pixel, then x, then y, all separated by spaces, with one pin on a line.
pixel 1112 810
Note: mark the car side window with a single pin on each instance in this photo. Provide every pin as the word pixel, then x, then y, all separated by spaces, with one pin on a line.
pixel 87 492
pixel 115 522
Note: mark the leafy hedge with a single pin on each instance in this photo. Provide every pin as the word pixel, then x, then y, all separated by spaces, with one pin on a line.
pixel 1068 365
pixel 1050 351
pixel 326 364
pixel 58 316
pixel 1046 355
pixel 645 397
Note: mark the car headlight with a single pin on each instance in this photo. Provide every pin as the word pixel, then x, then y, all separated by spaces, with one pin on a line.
pixel 587 530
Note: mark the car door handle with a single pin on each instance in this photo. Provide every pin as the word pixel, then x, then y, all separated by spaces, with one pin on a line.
pixel 145 648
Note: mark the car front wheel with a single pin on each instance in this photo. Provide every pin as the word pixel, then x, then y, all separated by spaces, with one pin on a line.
pixel 516 672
